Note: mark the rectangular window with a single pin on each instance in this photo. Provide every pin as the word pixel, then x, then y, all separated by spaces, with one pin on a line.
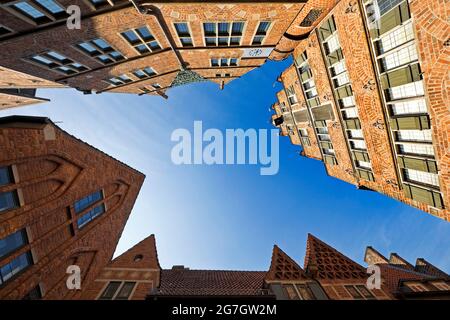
pixel 144 73
pixel 39 11
pixel 358 144
pixel 396 38
pixel 15 266
pixel 365 292
pixel 350 113
pixel 421 177
pixel 353 292
pixel 90 215
pixel 261 33
pixel 408 90
pixel 347 101
pixel 6 176
pixel 141 39
pixel 224 62
pixel 355 133
pixel 398 58
pixel 100 50
pixel 13 242
pixel 341 79
pixel 110 290
pixel 55 61
pixel 4 31
pixel 156 86
pixel 291 292
pixel 414 135
pixel 416 148
pixel 184 34
pixel 409 107
pixel 125 291
pixel 292 97
pixel 363 164
pixel 338 68
pixel 87 201
pixel 332 44
pixel 305 292
pixel 223 33
pixel 8 200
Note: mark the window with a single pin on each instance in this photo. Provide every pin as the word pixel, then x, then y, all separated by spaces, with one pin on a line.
pixel 156 86
pixel 363 164
pixel 305 292
pixel 90 215
pixel 184 35
pixel 407 90
pixel 58 62
pixel 292 97
pixel 328 151
pixel 8 200
pixel 341 79
pixel 9 245
pixel 350 113
pixel 396 37
pixel 355 133
pixel 141 39
pixel 119 80
pixel 409 107
pixel 110 290
pixel 414 135
pixel 125 291
pixel 416 287
pixel 365 292
pixel 6 176
pixel 291 292
pixel 421 177
pixel 224 62
pixel 399 57
pixel 34 294
pixel 100 50
pixel 415 148
pixel 441 285
pixel 332 44
pixel 353 292
pixel 116 290
pixel 87 201
pixel 4 30
pixel 358 144
pixel 261 33
pixel 223 33
pixel 15 266
pixel 338 68
pixel 348 101
pixel 13 242
pixel 39 11
pixel 144 73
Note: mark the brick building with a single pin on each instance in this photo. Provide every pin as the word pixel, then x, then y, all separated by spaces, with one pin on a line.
pixel 326 274
pixel 368 95
pixel 62 203
pixel 133 47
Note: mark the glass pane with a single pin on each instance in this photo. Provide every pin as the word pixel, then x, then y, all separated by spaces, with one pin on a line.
pixel 110 290
pixel 43 60
pixel 15 266
pixel 29 10
pixel 210 41
pixel 87 47
pixel 5 176
pixel 154 45
pixel 182 29
pixel 209 28
pixel 263 27
pixel 82 204
pixel 233 62
pixel 139 74
pixel 50 5
pixel 8 200
pixel 224 62
pixel 224 28
pixel 145 33
pixel 102 44
pixel 130 36
pixel 142 48
pixel 12 242
pixel 150 71
pixel 125 291
pixel 56 56
pixel 237 28
pixel 116 55
pixel 187 42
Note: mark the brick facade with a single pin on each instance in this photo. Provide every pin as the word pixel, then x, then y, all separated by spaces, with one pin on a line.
pixel 50 171
pixel 389 173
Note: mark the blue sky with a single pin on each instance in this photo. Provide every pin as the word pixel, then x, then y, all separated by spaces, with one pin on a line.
pixel 225 216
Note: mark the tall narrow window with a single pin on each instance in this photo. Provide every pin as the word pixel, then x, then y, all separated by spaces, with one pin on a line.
pixel 261 33
pixel 9 245
pixel 110 290
pixel 184 34
pixel 9 199
pixel 141 39
pixel 87 201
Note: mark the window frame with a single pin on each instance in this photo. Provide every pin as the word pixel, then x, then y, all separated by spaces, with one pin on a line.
pixel 99 51
pixel 180 36
pixel 217 33
pixel 141 41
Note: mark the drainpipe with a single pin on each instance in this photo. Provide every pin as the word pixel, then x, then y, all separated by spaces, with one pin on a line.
pixel 150 9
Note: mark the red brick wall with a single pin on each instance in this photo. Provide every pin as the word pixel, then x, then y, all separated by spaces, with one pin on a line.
pixel 54 170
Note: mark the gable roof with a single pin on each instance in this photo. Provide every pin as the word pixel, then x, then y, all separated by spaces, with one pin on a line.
pixel 142 255
pixel 185 282
pixel 426 267
pixel 284 267
pixel 329 263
